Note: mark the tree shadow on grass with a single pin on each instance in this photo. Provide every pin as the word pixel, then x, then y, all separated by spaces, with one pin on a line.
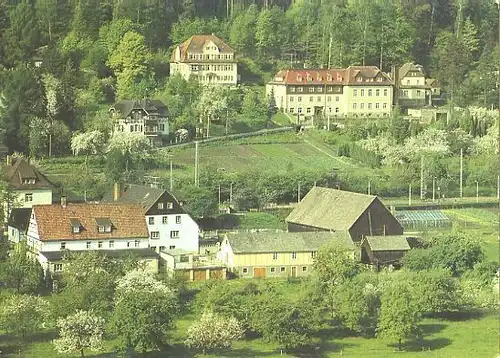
pixel 429 328
pixel 433 344
pixel 10 344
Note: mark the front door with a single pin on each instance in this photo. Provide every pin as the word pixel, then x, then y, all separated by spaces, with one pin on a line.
pixel 259 272
pixel 294 271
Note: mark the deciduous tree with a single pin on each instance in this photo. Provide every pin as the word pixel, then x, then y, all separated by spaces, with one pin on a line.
pixel 21 272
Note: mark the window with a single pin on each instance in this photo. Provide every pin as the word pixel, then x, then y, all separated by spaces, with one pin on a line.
pixel 137 243
pixel 337 98
pixel 273 269
pixel 377 92
pixel 160 205
pixel 369 106
pixel 299 110
pixel 355 92
pixel 354 106
pixel 174 234
pixel 362 92
pixel 377 105
pixel 245 270
pixel 329 99
pixel 275 255
pixel 111 244
pixel 101 228
pixel 311 99
pixel 369 92
pixel 164 220
pixel 385 92
pixel 28 197
pixel 292 89
pixel 88 245
pixel 128 244
pixel 319 89
pixel 63 245
pixel 418 82
pixel 300 89
pixel 177 219
pixel 418 93
pixel 407 82
pixel 155 234
pixel 57 267
pixel 99 245
pixel 170 205
pixel 171 247
pixel 282 269
pixel 337 109
pixel 308 110
pixel 384 105
pixel 313 254
pixel 304 268
pixel 151 220
pixel 291 98
pixel 311 89
pixel 362 106
pixel 294 255
pixel 319 99
pixel 76 229
pixel 299 99
pixel 162 248
pixel 291 110
pixel 405 93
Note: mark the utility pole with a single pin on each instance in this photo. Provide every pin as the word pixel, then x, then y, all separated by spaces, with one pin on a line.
pixel 433 189
pixel 196 163
pixel 230 194
pixel 171 176
pixel 461 173
pixel 422 177
pixel 298 193
pixel 409 195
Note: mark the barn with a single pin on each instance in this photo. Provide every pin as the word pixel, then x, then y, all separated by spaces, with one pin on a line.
pixel 358 215
pixel 384 250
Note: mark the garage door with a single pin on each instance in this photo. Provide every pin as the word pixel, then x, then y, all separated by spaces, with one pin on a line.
pixel 259 272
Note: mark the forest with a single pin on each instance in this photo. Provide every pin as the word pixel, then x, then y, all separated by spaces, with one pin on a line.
pixel 93 52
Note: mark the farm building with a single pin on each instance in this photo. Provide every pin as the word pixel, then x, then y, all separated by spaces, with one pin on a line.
pixel 358 215
pixel 190 266
pixel 383 250
pixel 276 254
pixel 422 219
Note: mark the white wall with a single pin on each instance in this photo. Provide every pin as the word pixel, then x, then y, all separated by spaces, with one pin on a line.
pixel 40 197
pixel 81 245
pixel 226 254
pixel 188 232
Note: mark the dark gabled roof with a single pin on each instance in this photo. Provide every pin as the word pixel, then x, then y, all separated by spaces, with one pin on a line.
pixel 113 254
pixel 281 241
pixel 409 67
pixel 20 218
pixel 137 194
pixel 21 170
pixel 388 243
pixel 154 106
pixel 330 209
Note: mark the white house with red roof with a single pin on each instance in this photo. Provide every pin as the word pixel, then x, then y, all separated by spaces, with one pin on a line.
pixel 206 58
pixel 356 91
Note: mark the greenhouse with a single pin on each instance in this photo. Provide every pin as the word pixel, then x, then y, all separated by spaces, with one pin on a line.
pixel 422 219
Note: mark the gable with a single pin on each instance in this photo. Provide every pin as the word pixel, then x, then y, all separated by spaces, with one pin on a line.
pixel 165 200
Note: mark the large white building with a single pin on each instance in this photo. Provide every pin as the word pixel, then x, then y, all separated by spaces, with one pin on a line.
pixel 357 91
pixel 169 225
pixel 58 228
pixel 206 58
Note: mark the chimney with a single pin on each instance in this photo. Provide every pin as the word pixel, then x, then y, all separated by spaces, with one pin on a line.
pixel 9 160
pixel 117 191
pixel 64 201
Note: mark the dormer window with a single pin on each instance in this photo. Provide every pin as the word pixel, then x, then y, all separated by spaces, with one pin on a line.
pixel 309 78
pixel 299 78
pixel 379 79
pixel 103 225
pixel 329 77
pixel 359 79
pixel 339 77
pixel 76 226
pixel 29 181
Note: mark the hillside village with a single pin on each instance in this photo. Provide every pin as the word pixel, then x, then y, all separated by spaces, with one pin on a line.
pixel 249 178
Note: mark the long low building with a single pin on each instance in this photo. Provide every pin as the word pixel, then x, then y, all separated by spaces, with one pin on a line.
pixel 276 254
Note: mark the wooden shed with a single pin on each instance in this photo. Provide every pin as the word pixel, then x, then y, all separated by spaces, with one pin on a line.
pixel 384 250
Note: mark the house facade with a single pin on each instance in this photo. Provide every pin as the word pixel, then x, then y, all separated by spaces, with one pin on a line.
pixel 414 89
pixel 85 227
pixel 357 215
pixel 147 117
pixel 357 91
pixel 207 59
pixel 27 184
pixel 169 225
pixel 274 254
pixel 192 267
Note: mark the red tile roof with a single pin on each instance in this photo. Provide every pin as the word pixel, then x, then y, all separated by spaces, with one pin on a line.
pixel 54 221
pixel 338 76
pixel 196 43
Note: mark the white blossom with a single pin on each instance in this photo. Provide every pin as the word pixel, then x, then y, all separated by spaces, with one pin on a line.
pixel 213 331
pixel 88 143
pixel 140 281
pixel 82 330
pixel 135 144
